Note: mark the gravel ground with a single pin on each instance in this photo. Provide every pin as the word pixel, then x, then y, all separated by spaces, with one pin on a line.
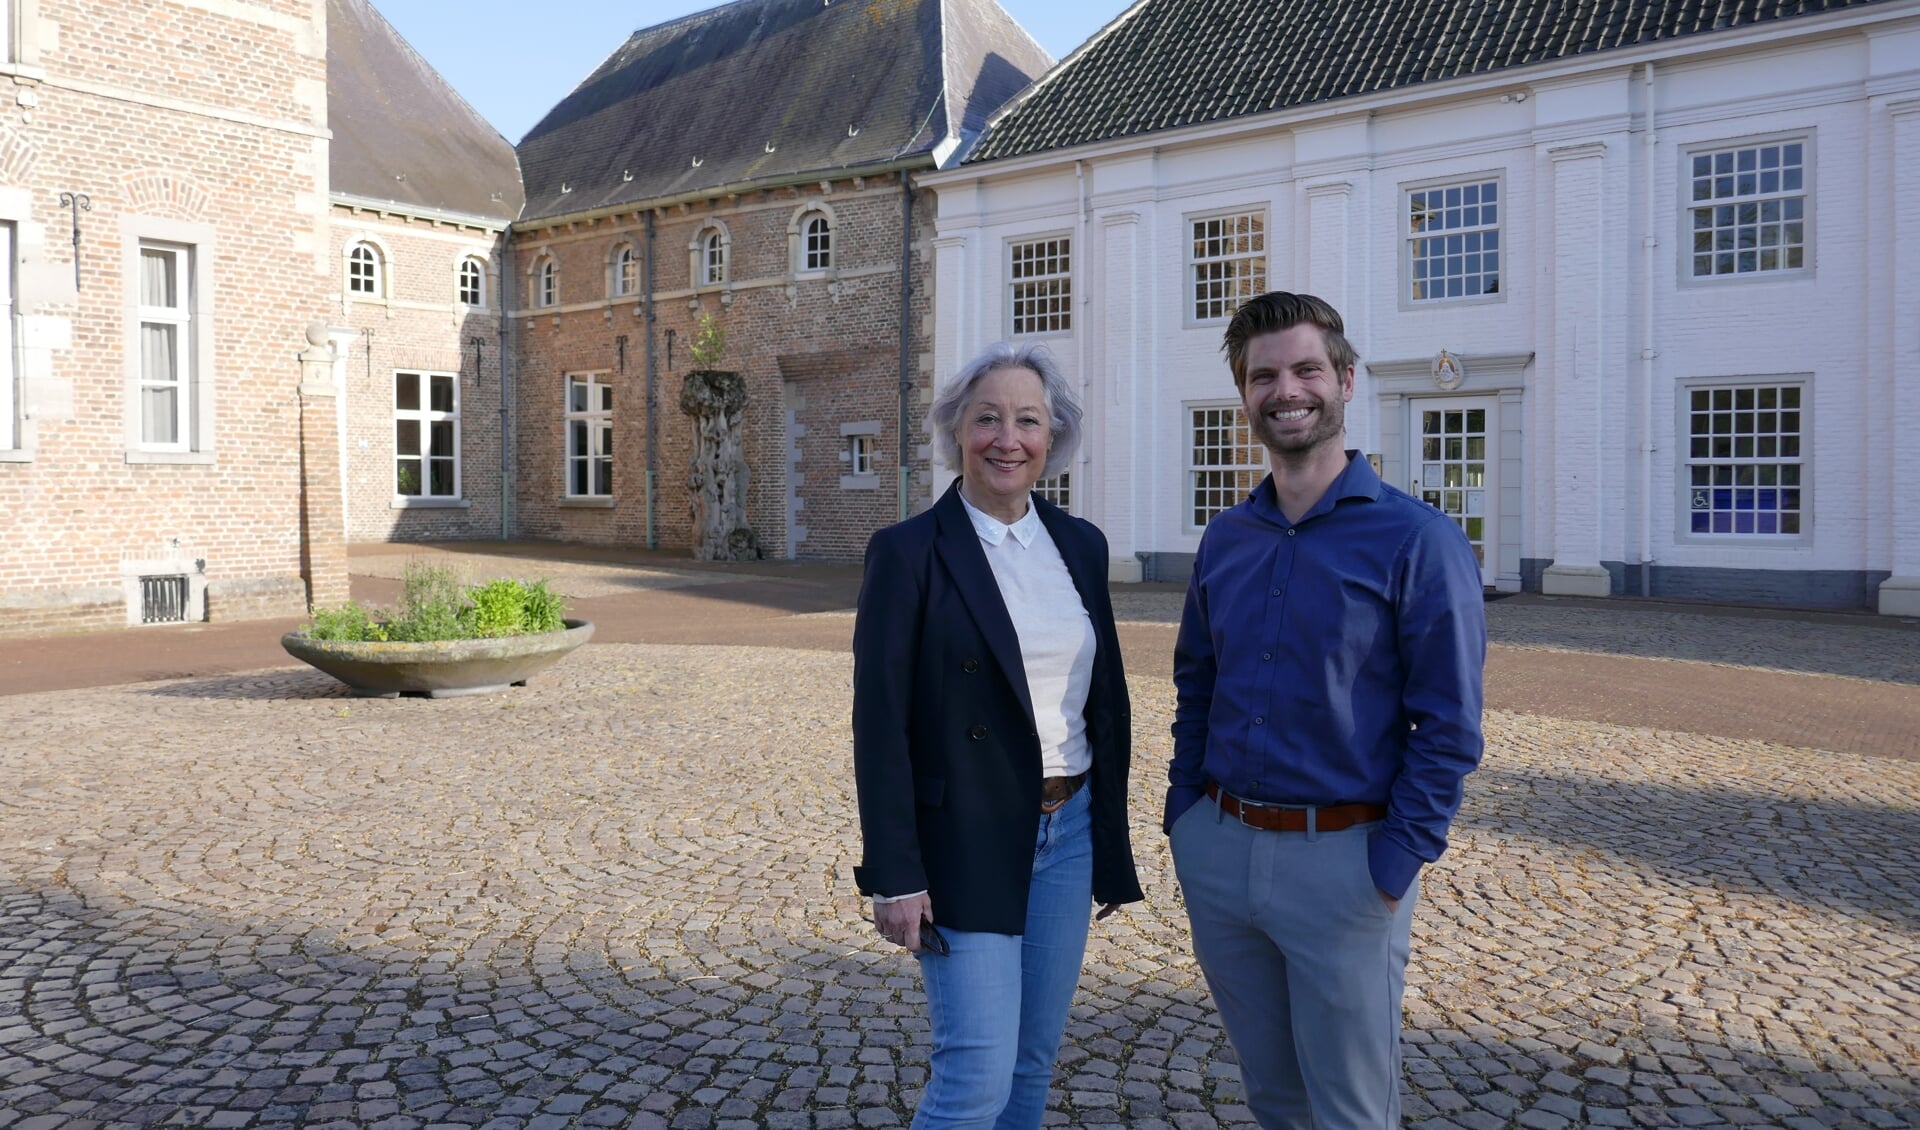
pixel 622 897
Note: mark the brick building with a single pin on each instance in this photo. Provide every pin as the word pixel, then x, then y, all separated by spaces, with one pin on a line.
pixel 163 196
pixel 754 162
pixel 422 190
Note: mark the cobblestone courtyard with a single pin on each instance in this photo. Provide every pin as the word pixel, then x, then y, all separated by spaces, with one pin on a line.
pixel 622 897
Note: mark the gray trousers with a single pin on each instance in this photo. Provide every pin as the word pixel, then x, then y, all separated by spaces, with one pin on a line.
pixel 1306 964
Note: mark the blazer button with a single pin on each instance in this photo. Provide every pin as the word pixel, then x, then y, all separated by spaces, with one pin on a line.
pixel 970 666
pixel 978 733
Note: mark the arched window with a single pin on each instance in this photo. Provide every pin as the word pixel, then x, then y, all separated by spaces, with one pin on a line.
pixel 713 259
pixel 546 283
pixel 626 271
pixel 473 283
pixel 816 243
pixel 363 270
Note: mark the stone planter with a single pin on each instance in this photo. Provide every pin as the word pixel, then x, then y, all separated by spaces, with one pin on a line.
pixel 437 670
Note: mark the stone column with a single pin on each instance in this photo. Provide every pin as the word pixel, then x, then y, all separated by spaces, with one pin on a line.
pixel 1578 370
pixel 953 329
pixel 1330 259
pixel 323 541
pixel 1900 593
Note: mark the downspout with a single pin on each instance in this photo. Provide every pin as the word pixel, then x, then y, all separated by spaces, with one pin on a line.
pixel 1647 445
pixel 653 397
pixel 506 381
pixel 906 335
pixel 1080 323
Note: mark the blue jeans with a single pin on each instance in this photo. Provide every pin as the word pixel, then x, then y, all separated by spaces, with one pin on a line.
pixel 998 1002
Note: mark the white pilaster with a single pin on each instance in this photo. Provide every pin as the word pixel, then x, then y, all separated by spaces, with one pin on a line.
pixel 1900 593
pixel 1578 369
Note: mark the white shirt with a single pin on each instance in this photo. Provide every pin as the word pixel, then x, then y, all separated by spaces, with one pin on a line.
pixel 1056 634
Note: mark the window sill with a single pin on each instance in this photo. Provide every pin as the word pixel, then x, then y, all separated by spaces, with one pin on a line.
pixel 586 503
pixel 24 73
pixel 405 503
pixel 174 458
pixel 859 482
pixel 14 455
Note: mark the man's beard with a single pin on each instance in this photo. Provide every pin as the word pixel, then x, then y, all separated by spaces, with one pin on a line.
pixel 1329 425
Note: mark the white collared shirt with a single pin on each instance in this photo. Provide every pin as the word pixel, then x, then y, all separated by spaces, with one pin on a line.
pixel 1055 631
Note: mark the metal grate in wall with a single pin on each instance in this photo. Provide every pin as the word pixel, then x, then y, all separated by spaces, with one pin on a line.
pixel 163 600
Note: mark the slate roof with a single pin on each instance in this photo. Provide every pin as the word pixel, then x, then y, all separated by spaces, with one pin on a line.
pixel 1169 63
pixel 766 89
pixel 400 133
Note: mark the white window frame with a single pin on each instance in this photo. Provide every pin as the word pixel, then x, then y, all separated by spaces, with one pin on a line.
pixel 545 290
pixel 478 266
pixel 1057 489
pixel 1734 462
pixel 599 424
pixel 1249 273
pixel 375 272
pixel 1473 234
pixel 1040 303
pixel 1690 208
pixel 863 451
pixel 10 429
pixel 425 416
pixel 713 258
pixel 1221 413
pixel 816 242
pixel 198 378
pixel 623 271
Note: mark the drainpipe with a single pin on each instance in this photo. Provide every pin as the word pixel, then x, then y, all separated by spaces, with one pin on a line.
pixel 653 388
pixel 504 297
pixel 906 334
pixel 1647 354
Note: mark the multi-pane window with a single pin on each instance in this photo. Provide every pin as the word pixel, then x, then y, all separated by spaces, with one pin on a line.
pixel 546 283
pixel 426 435
pixel 166 346
pixel 816 243
pixel 1744 467
pixel 626 272
pixel 1229 263
pixel 473 283
pixel 1040 273
pixel 363 270
pixel 9 419
pixel 1056 489
pixel 1749 209
pixel 589 437
pixel 1224 461
pixel 713 260
pixel 860 454
pixel 1453 241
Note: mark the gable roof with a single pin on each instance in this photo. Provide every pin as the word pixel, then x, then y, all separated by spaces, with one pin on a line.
pixel 400 133
pixel 759 90
pixel 1169 63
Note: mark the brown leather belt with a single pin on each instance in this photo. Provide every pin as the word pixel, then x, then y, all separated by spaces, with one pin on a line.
pixel 1273 818
pixel 1056 791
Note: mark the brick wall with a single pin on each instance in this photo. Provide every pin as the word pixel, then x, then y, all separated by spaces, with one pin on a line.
pixel 161 156
pixel 818 350
pixel 417 323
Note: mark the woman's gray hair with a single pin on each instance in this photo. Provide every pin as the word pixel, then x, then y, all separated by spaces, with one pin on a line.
pixel 1063 404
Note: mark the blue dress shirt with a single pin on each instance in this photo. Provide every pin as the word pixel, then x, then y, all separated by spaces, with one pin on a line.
pixel 1336 660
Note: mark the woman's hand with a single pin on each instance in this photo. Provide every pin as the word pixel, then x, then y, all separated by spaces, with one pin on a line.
pixel 1106 909
pixel 899 922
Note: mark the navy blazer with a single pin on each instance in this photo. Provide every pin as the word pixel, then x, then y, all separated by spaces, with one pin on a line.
pixel 945 750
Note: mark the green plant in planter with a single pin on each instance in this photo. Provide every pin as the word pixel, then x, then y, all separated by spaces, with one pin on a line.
pixel 709 343
pixel 435 606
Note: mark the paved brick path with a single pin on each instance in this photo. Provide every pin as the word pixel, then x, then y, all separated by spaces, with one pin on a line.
pixel 620 897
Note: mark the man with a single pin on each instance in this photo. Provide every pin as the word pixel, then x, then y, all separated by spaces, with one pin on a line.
pixel 1328 672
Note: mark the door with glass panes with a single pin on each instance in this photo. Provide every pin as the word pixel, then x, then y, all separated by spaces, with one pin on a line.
pixel 1454 464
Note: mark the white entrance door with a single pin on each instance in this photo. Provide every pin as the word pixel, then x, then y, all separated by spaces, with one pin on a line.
pixel 1454 466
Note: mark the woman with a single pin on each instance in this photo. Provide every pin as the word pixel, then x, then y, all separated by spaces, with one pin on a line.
pixel 991 739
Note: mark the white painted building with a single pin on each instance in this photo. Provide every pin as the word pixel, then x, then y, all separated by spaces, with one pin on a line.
pixel 1644 315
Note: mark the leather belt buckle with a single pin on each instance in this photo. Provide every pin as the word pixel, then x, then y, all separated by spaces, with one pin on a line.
pixel 1055 792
